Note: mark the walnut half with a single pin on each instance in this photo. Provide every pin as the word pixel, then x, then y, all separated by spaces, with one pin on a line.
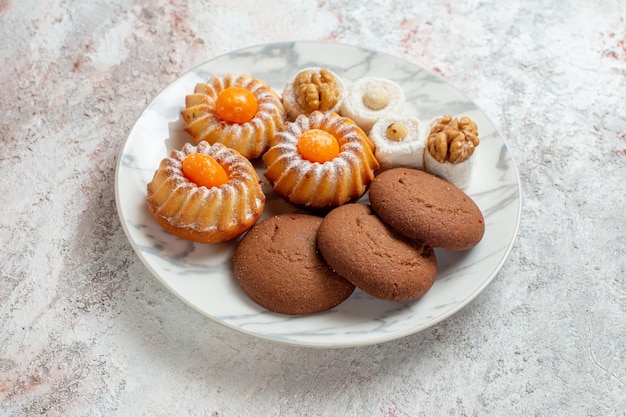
pixel 316 90
pixel 452 140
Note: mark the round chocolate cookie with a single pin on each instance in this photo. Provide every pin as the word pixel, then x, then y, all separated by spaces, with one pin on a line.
pixel 425 207
pixel 277 264
pixel 374 257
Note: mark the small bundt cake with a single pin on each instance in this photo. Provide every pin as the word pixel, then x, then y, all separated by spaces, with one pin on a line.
pixel 206 193
pixel 321 161
pixel 239 111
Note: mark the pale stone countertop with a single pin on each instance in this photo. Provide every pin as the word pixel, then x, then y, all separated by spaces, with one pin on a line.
pixel 86 330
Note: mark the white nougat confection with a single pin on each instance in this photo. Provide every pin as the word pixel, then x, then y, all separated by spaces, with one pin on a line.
pixel 370 99
pixel 458 174
pixel 289 94
pixel 391 152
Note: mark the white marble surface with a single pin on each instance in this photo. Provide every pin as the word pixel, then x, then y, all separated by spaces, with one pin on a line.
pixel 85 329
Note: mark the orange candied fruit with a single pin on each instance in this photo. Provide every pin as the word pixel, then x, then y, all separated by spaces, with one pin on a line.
pixel 236 105
pixel 317 145
pixel 204 170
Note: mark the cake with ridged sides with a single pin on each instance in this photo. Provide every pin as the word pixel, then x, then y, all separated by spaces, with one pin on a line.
pixel 239 111
pixel 205 193
pixel 320 161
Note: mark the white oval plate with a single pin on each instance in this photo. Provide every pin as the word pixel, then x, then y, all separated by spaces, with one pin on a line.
pixel 201 274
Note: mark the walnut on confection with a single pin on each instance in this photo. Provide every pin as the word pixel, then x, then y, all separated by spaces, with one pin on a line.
pixel 397 132
pixel 316 90
pixel 452 140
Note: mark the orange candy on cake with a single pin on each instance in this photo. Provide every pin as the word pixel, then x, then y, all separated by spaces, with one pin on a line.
pixel 204 170
pixel 317 145
pixel 236 105
pixel 239 111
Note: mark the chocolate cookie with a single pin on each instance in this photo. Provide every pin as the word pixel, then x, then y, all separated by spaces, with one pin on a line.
pixel 425 207
pixel 374 257
pixel 277 264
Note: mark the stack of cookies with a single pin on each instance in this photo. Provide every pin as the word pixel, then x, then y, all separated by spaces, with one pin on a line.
pixel 302 263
